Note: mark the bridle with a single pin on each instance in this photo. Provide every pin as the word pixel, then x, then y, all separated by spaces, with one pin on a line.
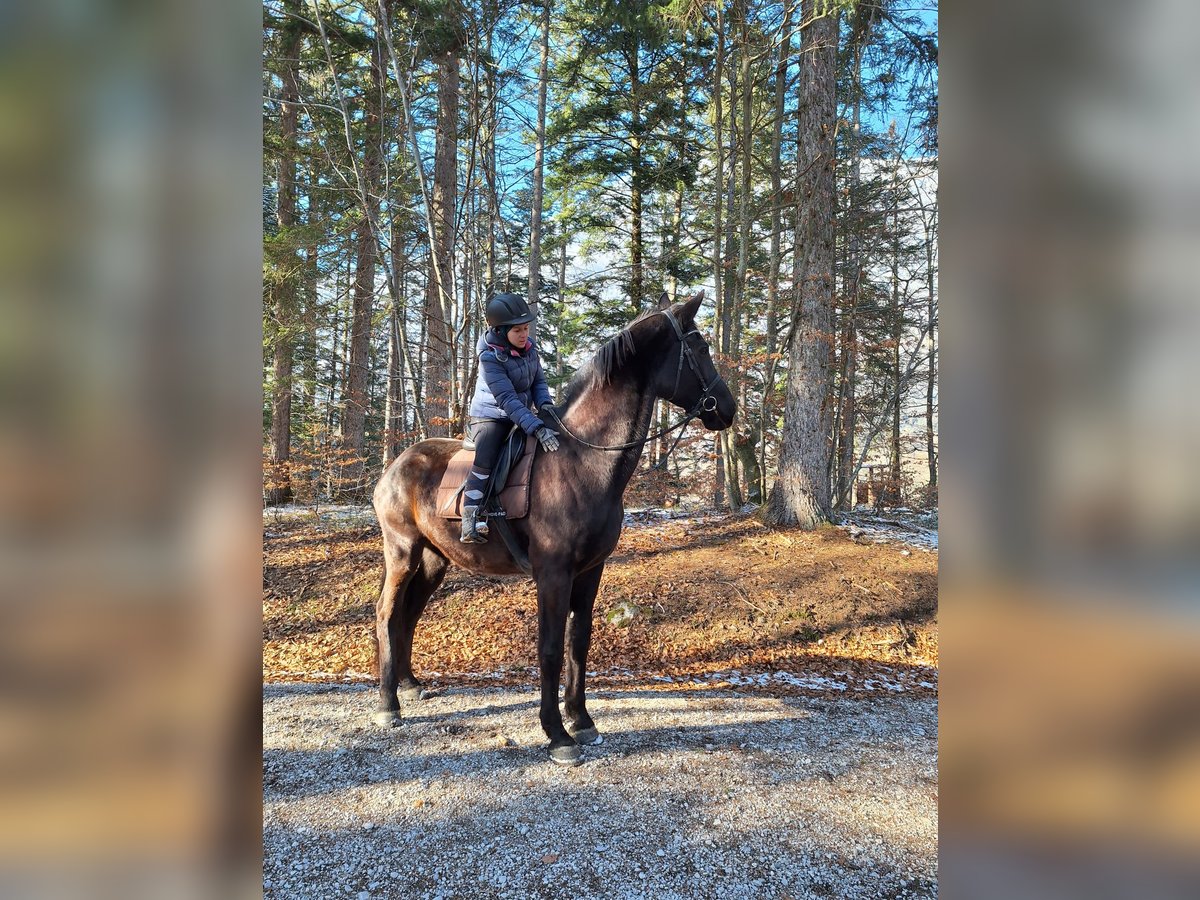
pixel 705 403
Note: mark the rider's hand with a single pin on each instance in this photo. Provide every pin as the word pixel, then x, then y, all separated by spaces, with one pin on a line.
pixel 547 438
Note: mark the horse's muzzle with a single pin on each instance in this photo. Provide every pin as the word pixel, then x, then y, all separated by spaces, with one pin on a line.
pixel 718 413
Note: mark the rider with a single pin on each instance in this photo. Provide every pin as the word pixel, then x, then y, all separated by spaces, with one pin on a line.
pixel 510 378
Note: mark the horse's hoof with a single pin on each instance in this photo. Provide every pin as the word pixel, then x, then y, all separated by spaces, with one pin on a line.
pixel 569 755
pixel 387 718
pixel 413 693
pixel 588 736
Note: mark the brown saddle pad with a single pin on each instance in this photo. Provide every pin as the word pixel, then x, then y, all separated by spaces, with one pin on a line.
pixel 514 498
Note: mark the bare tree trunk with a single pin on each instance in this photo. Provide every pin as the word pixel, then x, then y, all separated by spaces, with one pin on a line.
pixel 423 363
pixel 636 275
pixel 392 423
pixel 718 201
pixel 352 443
pixel 676 229
pixel 719 168
pixel 278 488
pixel 440 292
pixel 353 425
pixel 489 170
pixel 727 312
pixel 745 442
pixel 931 384
pixel 562 294
pixel 801 494
pixel 772 336
pixel 637 288
pixel 847 414
pixel 334 358
pixel 279 472
pixel 731 455
pixel 535 231
pixel 894 485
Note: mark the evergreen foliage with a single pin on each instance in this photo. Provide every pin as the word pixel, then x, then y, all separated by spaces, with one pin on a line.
pixel 634 204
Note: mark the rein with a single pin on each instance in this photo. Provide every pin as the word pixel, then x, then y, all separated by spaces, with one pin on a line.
pixel 692 414
pixel 705 403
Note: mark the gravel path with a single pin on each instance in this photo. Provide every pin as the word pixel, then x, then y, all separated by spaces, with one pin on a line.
pixel 693 793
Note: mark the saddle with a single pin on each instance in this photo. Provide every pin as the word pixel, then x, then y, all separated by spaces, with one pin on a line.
pixel 509 481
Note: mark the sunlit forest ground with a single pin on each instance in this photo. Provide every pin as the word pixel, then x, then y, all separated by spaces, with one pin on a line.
pixel 704 596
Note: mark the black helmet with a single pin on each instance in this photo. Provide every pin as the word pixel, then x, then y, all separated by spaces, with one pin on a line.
pixel 507 310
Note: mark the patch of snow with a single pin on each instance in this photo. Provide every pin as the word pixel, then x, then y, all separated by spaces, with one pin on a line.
pixel 650 517
pixel 917 529
pixel 325 512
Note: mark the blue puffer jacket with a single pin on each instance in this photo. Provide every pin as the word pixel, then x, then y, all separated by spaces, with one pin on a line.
pixel 509 380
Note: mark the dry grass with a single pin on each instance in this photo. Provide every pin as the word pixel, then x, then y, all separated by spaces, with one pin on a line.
pixel 706 596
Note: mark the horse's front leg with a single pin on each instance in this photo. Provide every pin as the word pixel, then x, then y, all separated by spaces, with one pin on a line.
pixel 554 598
pixel 579 639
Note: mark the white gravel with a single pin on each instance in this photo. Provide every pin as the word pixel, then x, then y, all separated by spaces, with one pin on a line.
pixel 693 793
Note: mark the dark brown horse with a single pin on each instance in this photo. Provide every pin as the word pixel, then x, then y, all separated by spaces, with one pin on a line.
pixel 575 514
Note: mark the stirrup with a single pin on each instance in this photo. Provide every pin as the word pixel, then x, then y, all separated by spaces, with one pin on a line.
pixel 471 532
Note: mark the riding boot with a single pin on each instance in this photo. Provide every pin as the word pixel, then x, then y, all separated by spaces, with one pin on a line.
pixel 472 533
pixel 474 492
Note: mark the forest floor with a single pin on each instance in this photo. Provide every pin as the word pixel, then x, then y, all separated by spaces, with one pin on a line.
pixel 706 598
pixel 767 701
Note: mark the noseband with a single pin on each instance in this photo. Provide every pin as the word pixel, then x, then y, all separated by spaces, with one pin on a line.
pixel 705 403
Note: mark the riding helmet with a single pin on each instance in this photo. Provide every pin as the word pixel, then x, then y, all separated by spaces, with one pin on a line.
pixel 507 310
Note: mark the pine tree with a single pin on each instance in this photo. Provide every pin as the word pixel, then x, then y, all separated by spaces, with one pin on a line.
pixel 801 494
pixel 622 133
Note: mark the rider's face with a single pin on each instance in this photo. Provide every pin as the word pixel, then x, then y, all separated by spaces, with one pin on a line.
pixel 518 334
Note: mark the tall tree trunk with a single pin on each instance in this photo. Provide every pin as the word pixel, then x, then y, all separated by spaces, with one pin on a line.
pixel 718 259
pixel 676 230
pixel 278 488
pixel 440 293
pixel 719 167
pixel 772 337
pixel 335 335
pixel 560 373
pixel 279 471
pixel 848 414
pixel 730 452
pixel 637 288
pixel 393 407
pixel 801 493
pixel 352 443
pixel 535 231
pixel 308 359
pixel 931 383
pixel 729 270
pixel 489 169
pixel 897 323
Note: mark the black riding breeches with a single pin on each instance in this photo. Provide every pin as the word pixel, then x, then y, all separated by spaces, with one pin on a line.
pixel 488 436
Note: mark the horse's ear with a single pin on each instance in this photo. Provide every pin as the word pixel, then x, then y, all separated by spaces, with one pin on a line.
pixel 664 302
pixel 690 307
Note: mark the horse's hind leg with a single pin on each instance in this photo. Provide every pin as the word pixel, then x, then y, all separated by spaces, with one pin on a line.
pixel 402 559
pixel 425 581
pixel 579 640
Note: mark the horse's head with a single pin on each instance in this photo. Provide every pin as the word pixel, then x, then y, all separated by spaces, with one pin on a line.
pixel 686 375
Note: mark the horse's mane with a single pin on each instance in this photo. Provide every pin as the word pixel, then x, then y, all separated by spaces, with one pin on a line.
pixel 612 355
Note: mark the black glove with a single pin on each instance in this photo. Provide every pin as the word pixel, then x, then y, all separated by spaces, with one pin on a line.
pixel 547 438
